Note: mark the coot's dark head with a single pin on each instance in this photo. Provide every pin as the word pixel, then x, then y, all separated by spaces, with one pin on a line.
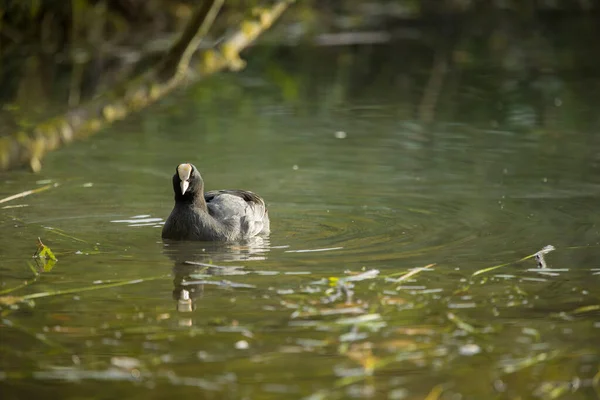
pixel 187 182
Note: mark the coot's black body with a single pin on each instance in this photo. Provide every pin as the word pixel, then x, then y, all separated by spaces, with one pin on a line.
pixel 218 215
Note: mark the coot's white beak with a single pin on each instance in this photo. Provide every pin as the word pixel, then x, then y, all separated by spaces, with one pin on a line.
pixel 184 186
pixel 184 171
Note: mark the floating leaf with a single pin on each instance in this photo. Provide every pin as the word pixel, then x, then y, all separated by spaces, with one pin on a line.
pixel 45 253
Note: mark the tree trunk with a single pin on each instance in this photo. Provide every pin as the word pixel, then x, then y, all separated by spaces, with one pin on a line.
pixel 29 147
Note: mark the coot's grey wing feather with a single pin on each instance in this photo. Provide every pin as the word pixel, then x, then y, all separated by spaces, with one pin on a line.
pixel 240 208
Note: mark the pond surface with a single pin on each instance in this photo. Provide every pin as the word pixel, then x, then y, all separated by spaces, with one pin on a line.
pixel 361 192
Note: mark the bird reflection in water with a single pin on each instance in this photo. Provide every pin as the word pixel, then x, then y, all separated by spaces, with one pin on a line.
pixel 196 264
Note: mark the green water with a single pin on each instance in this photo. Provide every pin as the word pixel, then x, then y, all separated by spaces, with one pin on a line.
pixel 355 182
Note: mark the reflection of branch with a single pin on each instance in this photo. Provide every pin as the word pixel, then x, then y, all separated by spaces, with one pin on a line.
pixel 433 88
pixel 36 335
pixel 9 300
pixel 30 146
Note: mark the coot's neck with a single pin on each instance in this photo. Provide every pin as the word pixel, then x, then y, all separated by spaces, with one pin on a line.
pixel 199 200
pixel 193 196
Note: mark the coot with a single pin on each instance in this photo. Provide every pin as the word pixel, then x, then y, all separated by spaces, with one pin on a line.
pixel 218 215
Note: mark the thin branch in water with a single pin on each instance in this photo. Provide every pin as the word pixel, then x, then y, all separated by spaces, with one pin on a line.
pixel 15 206
pixel 586 309
pixel 28 192
pixel 24 284
pixel 540 253
pixel 6 300
pixel 411 273
pixel 32 268
pixel 539 256
pixel 530 361
pixel 60 232
pixel 461 324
